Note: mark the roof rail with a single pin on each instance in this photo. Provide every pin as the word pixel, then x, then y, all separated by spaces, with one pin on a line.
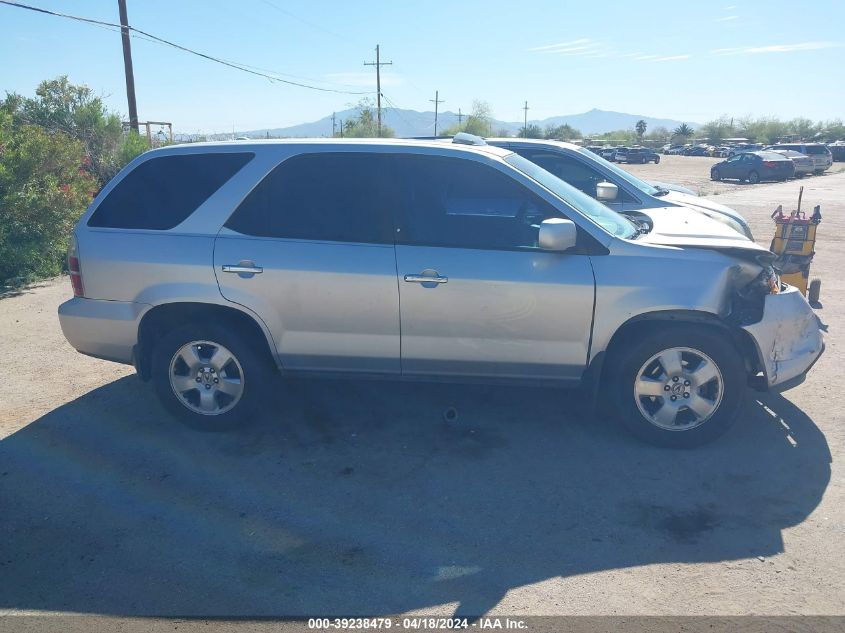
pixel 462 138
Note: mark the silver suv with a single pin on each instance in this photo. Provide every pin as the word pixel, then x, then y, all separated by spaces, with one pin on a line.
pixel 211 267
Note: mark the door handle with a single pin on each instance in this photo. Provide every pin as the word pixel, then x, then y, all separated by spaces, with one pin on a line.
pixel 243 268
pixel 425 279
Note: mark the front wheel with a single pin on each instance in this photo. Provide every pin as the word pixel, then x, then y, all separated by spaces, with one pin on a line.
pixel 715 175
pixel 207 376
pixel 678 386
pixel 753 177
pixel 656 159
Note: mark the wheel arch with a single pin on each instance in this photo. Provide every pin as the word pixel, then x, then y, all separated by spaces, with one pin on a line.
pixel 164 317
pixel 597 372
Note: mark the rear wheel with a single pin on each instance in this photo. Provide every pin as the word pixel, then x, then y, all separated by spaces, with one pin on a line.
pixel 210 378
pixel 656 159
pixel 680 386
pixel 715 174
pixel 753 177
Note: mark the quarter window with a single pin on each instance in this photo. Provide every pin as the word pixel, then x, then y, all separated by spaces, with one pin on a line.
pixel 162 192
pixel 336 197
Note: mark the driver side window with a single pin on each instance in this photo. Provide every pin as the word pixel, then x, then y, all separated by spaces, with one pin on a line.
pixel 460 203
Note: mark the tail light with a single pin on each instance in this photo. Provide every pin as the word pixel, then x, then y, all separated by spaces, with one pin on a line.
pixel 74 269
pixel 770 163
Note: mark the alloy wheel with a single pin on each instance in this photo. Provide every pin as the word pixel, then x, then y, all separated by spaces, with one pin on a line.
pixel 678 389
pixel 206 377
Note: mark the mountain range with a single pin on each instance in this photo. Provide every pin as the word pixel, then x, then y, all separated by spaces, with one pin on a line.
pixel 408 123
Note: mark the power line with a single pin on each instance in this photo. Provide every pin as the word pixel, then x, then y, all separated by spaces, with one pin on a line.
pixel 398 112
pixel 237 66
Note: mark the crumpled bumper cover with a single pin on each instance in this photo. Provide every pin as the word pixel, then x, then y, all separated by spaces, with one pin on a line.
pixel 789 337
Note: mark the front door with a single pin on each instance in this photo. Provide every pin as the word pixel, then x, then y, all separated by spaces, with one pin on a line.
pixel 478 297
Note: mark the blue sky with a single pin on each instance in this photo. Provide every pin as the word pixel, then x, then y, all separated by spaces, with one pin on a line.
pixel 690 61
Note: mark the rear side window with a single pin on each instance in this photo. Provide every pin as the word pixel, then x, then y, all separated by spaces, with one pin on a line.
pixel 335 197
pixel 816 149
pixel 162 192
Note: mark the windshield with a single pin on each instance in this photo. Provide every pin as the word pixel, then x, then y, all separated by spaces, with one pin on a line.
pixel 592 209
pixel 626 176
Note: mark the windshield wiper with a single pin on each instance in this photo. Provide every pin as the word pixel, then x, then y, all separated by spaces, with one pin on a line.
pixel 660 192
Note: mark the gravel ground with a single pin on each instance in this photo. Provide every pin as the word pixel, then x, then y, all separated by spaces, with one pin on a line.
pixel 693 172
pixel 357 498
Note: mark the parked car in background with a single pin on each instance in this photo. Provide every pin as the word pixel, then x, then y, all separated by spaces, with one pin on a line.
pixel 698 150
pixel 675 150
pixel 743 147
pixel 607 153
pixel 721 152
pixel 419 263
pixel 754 167
pixel 804 165
pixel 822 158
pixel 631 196
pixel 837 151
pixel 639 155
pixel 619 154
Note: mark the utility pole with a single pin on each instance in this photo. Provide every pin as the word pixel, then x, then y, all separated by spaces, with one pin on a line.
pixel 460 117
pixel 127 66
pixel 333 128
pixel 525 123
pixel 378 64
pixel 436 101
pixel 341 128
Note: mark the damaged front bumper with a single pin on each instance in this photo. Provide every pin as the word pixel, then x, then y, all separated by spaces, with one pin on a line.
pixel 788 338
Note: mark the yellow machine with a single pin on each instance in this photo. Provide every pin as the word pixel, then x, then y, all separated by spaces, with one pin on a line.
pixel 794 244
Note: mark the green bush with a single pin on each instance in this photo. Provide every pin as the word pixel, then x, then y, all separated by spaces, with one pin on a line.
pixel 45 186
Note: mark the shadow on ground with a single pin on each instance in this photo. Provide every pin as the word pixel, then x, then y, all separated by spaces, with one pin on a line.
pixel 357 498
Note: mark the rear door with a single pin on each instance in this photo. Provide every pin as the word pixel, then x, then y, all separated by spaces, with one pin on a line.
pixel 478 297
pixel 310 250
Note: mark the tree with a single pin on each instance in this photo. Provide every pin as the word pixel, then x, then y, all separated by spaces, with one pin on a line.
pixel 60 106
pixel 44 188
pixel 641 127
pixel 532 131
pixel 563 132
pixel 683 130
pixel 479 121
pixel 365 125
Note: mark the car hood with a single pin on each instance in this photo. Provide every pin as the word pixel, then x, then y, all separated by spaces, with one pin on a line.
pixel 679 226
pixel 702 203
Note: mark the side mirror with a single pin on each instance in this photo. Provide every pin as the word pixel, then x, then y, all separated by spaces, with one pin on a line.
pixel 606 191
pixel 557 234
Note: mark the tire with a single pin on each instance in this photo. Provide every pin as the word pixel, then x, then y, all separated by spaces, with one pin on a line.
pixel 715 174
pixel 753 177
pixel 814 290
pixel 654 418
pixel 656 159
pixel 243 376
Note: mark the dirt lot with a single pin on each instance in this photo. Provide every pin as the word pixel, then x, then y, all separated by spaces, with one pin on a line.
pixel 694 172
pixel 357 498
